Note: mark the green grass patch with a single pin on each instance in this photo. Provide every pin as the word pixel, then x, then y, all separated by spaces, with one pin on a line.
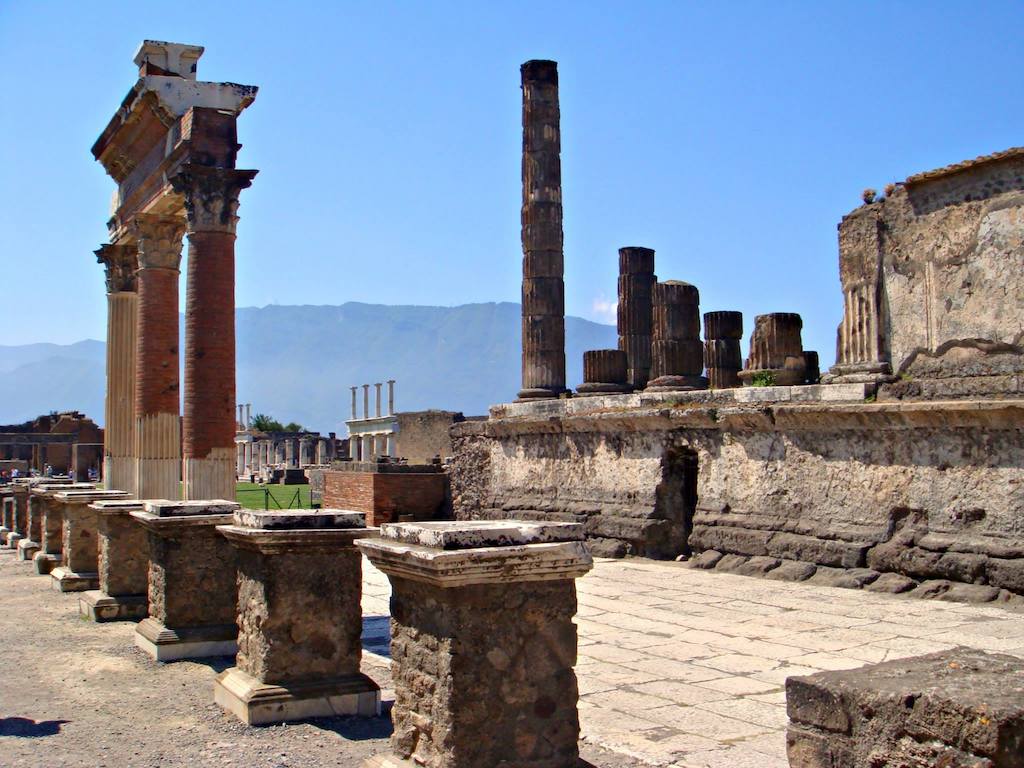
pixel 255 496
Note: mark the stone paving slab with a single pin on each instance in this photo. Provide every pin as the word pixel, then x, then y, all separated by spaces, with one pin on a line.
pixel 682 668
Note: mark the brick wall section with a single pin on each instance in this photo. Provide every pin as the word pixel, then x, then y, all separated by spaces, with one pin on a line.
pixel 157 342
pixel 209 344
pixel 383 497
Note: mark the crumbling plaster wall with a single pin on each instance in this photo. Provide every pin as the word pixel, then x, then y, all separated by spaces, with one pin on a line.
pixel 824 485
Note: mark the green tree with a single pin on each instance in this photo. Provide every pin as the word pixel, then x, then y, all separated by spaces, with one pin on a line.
pixel 292 426
pixel 261 422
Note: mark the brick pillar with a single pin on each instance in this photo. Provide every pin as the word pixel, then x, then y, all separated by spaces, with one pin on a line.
pixel 677 354
pixel 157 426
pixel 120 263
pixel 636 281
pixel 543 263
pixel 211 203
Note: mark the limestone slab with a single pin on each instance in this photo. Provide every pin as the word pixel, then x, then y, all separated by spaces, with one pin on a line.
pixel 101 607
pixel 472 534
pixel 256 703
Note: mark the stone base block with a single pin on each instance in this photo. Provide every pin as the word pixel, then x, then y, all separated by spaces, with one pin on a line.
pixel 99 606
pixel 590 388
pixel 676 384
pixel 13 539
pixel 27 549
pixel 45 562
pixel 390 761
pixel 66 580
pixel 165 644
pixel 256 703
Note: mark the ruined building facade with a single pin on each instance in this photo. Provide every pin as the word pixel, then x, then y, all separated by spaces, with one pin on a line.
pixel 908 459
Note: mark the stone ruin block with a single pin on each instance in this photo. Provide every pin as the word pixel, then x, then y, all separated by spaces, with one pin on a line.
pixel 722 356
pixel 482 642
pixel 192 592
pixel 677 354
pixel 299 618
pixel 961 709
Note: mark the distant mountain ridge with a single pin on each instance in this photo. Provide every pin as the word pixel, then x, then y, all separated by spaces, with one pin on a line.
pixel 298 362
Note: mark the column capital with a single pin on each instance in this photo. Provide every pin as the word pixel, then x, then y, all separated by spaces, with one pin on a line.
pixel 211 196
pixel 159 240
pixel 120 263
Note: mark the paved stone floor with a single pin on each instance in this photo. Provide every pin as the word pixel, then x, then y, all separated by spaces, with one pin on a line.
pixel 686 668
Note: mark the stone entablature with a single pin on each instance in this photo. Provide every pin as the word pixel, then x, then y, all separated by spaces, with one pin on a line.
pixel 927 490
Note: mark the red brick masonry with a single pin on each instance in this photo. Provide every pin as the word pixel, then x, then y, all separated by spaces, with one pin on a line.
pixel 383 497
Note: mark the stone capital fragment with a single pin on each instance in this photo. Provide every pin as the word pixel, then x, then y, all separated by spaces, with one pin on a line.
pixel 211 196
pixel 120 263
pixel 159 240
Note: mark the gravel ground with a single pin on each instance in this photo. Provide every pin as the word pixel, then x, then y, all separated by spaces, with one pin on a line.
pixel 79 694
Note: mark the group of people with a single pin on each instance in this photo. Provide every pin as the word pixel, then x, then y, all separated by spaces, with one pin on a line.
pixel 6 476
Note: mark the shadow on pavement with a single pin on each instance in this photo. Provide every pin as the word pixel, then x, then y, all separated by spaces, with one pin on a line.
pixel 30 729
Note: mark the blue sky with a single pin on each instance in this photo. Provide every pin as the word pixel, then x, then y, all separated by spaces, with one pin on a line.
pixel 730 137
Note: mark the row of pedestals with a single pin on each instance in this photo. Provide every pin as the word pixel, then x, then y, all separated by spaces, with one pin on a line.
pixel 483 642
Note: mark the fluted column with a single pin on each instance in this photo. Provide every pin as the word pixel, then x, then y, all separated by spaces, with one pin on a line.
pixel 354 414
pixel 776 351
pixel 605 371
pixel 157 425
pixel 211 204
pixel 543 268
pixel 722 356
pixel 120 264
pixel 636 281
pixel 677 355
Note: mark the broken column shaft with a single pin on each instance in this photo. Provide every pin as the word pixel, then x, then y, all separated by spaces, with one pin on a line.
pixel 543 296
pixel 604 372
pixel 211 203
pixel 677 354
pixel 722 356
pixel 157 425
pixel 776 351
pixel 634 312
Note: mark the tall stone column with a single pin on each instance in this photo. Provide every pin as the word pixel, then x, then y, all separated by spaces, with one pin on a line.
pixel 391 397
pixel 636 282
pixel 157 426
pixel 120 263
pixel 366 401
pixel 378 385
pixel 543 263
pixel 354 402
pixel 211 203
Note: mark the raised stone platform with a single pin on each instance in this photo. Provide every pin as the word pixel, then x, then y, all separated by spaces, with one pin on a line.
pixel 957 708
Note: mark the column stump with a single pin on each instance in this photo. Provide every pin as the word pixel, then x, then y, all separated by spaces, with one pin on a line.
pixel 192 593
pixel 78 570
pixel 299 618
pixel 482 642
pixel 123 563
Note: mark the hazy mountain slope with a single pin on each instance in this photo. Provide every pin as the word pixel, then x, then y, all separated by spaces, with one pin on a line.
pixel 298 362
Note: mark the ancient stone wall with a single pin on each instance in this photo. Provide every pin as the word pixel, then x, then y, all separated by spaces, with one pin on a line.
pixel 422 435
pixel 933 277
pixel 926 490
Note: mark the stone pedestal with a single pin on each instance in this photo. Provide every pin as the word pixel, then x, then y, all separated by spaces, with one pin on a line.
pixel 77 571
pixel 677 354
pixel 192 593
pixel 123 564
pixel 776 351
pixel 29 509
pixel 299 618
pixel 722 356
pixel 604 371
pixel 6 514
pixel 482 642
pixel 955 708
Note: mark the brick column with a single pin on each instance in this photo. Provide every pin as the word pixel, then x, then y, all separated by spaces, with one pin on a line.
pixel 543 263
pixel 120 263
pixel 157 425
pixel 211 204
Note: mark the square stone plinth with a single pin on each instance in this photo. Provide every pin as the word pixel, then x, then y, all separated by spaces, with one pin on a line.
pixel 299 618
pixel 27 549
pixel 955 708
pixel 483 642
pixel 78 569
pixel 192 592
pixel 123 564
